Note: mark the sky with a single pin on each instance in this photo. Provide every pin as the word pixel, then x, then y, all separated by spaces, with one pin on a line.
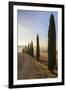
pixel 31 23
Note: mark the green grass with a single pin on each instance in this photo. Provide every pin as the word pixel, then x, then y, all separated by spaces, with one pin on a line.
pixel 44 69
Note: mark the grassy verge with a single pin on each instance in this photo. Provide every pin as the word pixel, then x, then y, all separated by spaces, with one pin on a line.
pixel 44 70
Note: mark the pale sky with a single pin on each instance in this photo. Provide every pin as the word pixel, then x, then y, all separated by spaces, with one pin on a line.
pixel 31 23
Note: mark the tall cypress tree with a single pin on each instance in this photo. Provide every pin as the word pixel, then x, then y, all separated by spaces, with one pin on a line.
pixel 28 48
pixel 51 44
pixel 32 48
pixel 37 48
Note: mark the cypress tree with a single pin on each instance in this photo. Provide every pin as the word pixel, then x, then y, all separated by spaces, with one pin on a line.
pixel 51 44
pixel 37 48
pixel 23 51
pixel 31 48
pixel 28 48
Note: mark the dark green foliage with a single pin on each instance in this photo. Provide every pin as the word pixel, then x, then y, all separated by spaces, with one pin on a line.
pixel 28 49
pixel 31 48
pixel 51 44
pixel 37 48
pixel 25 50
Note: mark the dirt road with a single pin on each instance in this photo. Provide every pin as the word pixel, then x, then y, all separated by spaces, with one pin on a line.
pixel 27 68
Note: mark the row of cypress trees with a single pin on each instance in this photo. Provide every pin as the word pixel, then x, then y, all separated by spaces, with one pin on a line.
pixel 51 45
pixel 30 49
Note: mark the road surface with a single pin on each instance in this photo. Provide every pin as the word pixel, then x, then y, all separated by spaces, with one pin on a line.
pixel 27 68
